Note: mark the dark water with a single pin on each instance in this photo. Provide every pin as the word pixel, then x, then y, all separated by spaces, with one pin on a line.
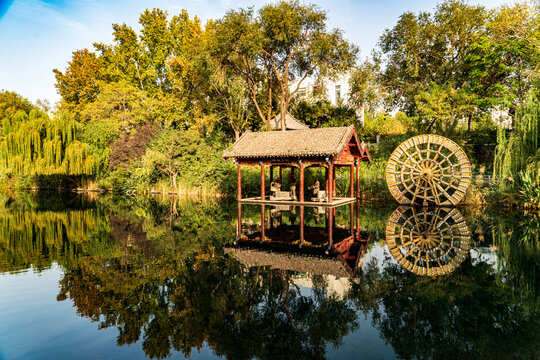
pixel 118 278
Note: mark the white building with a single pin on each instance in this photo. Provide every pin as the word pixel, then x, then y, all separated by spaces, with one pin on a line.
pixel 335 90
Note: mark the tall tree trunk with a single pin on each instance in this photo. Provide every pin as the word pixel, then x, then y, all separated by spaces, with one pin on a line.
pixel 283 114
pixel 361 115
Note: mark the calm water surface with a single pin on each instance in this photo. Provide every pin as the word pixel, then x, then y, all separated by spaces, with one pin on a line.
pixel 122 277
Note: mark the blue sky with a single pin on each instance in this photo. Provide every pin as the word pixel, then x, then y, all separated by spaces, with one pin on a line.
pixel 37 36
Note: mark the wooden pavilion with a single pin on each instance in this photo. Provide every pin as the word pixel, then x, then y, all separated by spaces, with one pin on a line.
pixel 299 149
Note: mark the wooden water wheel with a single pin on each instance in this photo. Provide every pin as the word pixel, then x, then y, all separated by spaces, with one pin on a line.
pixel 428 242
pixel 428 169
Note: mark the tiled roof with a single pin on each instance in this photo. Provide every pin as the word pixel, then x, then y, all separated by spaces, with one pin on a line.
pixel 294 143
pixel 293 262
pixel 291 123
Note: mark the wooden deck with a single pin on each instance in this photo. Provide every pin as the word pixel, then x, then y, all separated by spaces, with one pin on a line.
pixel 266 201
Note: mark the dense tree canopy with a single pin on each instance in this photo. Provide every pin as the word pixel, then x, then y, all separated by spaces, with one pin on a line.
pixel 463 57
pixel 278 49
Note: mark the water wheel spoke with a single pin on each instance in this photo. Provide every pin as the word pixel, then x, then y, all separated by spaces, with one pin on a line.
pixel 415 194
pixel 449 184
pixel 434 220
pixel 434 191
pixel 404 164
pixel 448 227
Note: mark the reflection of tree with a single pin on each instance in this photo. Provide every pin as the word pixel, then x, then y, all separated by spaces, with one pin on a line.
pixel 149 268
pixel 39 238
pixel 179 305
pixel 462 316
pixel 518 243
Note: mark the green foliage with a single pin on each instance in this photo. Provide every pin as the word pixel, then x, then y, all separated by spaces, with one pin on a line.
pixel 503 62
pixel 322 113
pixel 184 153
pixel 440 108
pixel 460 61
pixel 11 103
pixel 365 91
pixel 384 125
pixel 79 84
pixel 35 144
pixel 424 48
pixel 372 181
pixel 530 190
pixel 518 151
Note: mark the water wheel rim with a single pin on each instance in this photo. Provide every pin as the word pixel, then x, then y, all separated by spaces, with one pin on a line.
pixel 428 169
pixel 428 242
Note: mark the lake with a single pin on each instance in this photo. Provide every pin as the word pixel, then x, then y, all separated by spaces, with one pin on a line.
pixel 118 277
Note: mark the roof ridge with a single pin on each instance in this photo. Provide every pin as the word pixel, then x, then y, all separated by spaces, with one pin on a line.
pixel 344 138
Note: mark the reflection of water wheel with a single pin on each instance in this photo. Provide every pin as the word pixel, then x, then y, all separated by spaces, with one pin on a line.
pixel 428 242
pixel 428 168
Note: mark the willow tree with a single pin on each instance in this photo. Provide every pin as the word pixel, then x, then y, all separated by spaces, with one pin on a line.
pixel 36 144
pixel 518 151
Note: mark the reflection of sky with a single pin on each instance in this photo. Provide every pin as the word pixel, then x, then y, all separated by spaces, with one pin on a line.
pixel 486 255
pixel 39 35
pixel 36 326
pixel 363 343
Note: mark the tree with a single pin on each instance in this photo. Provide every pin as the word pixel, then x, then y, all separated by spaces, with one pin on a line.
pixel 277 50
pixel 11 103
pixel 518 151
pixel 232 103
pixel 440 108
pixel 364 88
pixel 168 61
pixel 489 58
pixel 181 152
pixel 35 144
pixel 321 113
pixel 503 64
pixel 78 86
pixel 425 49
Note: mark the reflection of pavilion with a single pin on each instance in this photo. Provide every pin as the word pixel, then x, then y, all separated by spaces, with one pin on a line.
pixel 427 241
pixel 302 239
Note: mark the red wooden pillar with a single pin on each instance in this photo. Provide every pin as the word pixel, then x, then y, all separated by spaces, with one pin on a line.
pixel 280 176
pixel 239 182
pixel 351 182
pixel 351 208
pixel 239 233
pixel 330 182
pixel 330 227
pixel 357 179
pixel 358 220
pixel 301 181
pixel 271 174
pixel 301 225
pixel 263 221
pixel 334 182
pixel 326 180
pixel 262 182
